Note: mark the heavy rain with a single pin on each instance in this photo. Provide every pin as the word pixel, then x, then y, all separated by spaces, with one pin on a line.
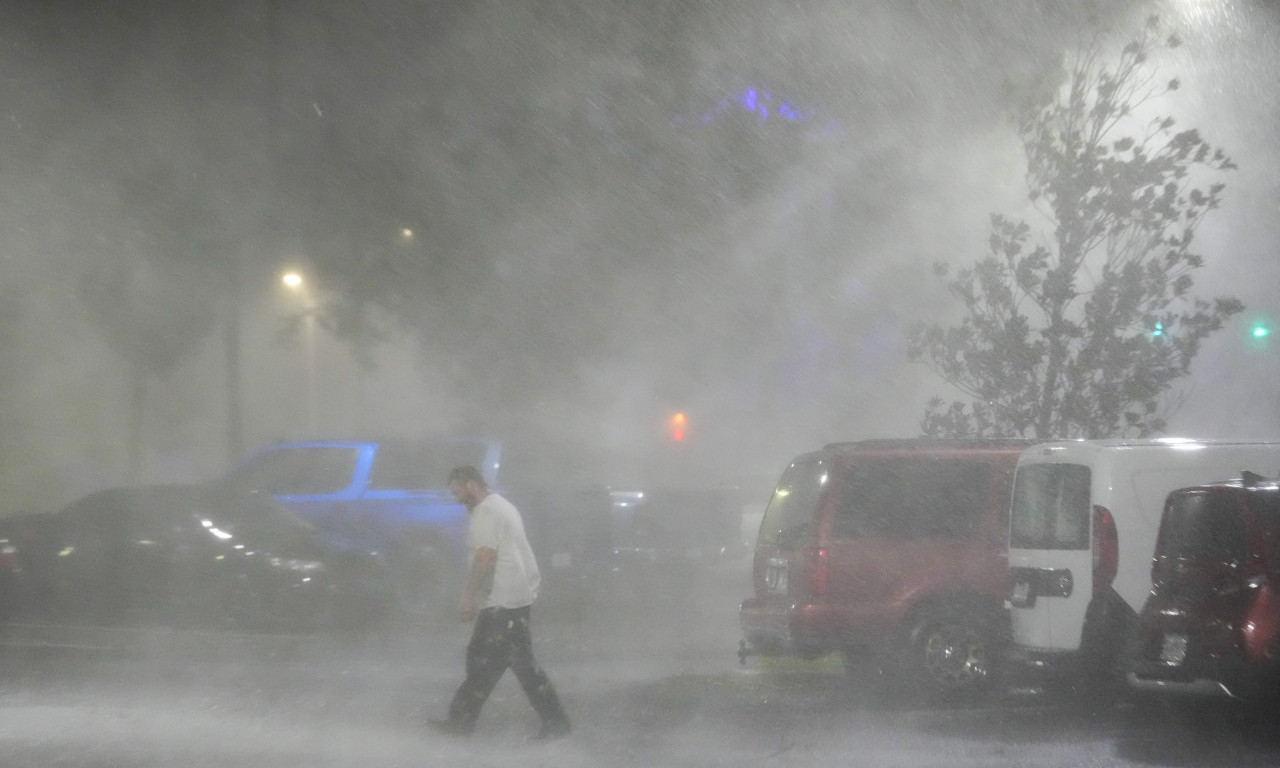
pixel 650 252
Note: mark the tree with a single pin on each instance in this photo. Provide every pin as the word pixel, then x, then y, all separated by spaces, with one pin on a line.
pixel 1085 335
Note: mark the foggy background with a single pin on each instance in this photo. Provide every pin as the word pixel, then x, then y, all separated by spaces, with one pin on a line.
pixel 558 222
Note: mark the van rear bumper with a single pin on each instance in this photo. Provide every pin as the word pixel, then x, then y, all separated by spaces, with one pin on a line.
pixel 774 627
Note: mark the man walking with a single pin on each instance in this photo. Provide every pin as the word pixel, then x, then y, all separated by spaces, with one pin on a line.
pixel 500 590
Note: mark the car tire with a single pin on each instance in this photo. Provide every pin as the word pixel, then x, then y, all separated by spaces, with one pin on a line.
pixel 947 652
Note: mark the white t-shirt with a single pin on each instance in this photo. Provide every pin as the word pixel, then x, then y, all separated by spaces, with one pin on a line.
pixel 495 523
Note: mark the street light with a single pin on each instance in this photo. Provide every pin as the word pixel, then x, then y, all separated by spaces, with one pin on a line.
pixel 294 282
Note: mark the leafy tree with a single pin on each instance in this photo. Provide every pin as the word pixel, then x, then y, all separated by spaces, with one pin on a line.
pixel 1083 335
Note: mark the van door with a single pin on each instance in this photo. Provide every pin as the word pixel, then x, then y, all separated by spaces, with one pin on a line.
pixel 1050 555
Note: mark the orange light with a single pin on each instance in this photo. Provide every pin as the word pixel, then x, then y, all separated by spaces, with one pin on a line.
pixel 677 427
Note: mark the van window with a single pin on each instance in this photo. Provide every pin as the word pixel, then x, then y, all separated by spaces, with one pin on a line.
pixel 1203 526
pixel 789 517
pixel 911 498
pixel 1051 507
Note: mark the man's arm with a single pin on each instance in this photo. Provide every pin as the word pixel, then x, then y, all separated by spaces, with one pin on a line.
pixel 479 583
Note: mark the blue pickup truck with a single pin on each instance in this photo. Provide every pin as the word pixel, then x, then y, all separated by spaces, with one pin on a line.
pixel 385 497
pixel 389 498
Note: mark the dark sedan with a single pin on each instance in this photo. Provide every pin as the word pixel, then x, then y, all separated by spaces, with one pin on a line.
pixel 187 557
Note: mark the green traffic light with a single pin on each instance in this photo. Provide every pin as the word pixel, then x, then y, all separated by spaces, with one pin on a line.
pixel 1259 331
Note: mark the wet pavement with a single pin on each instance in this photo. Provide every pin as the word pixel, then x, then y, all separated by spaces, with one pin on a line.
pixel 659 689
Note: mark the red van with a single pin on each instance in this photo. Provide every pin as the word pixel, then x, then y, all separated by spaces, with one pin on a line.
pixel 890 548
pixel 1211 624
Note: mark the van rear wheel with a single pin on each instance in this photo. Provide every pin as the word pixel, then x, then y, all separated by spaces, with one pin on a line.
pixel 948 652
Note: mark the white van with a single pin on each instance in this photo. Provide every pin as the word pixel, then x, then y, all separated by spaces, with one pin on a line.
pixel 1082 533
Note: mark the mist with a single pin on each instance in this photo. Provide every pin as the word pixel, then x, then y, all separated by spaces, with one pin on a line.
pixel 743 233
pixel 557 223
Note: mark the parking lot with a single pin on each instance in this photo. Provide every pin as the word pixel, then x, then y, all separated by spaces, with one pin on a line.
pixel 642 689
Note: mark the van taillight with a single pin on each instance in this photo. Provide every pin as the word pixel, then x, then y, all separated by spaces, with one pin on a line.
pixel 1106 549
pixel 816 561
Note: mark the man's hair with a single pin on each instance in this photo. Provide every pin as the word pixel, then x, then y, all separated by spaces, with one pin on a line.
pixel 466 473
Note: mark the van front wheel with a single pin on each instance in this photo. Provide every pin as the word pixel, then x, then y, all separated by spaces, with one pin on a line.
pixel 948 652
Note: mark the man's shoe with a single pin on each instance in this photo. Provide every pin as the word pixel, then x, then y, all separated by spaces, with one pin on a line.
pixel 552 731
pixel 450 727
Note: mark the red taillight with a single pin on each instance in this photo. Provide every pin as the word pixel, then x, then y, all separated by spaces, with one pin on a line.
pixel 1106 549
pixel 816 561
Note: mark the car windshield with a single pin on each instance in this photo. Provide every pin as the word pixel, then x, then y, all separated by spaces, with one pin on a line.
pixel 157 509
pixel 250 514
pixel 1050 507
pixel 1203 525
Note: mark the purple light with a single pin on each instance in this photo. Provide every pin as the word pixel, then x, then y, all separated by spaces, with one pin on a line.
pixel 759 103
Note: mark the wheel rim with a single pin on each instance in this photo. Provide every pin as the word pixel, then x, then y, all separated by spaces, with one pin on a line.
pixel 955 655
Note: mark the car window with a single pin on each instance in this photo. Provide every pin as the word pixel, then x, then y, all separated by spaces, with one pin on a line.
pixel 422 465
pixel 788 519
pixel 896 498
pixel 1203 526
pixel 1051 507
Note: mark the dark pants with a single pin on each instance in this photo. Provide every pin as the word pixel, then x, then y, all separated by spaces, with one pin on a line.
pixel 501 639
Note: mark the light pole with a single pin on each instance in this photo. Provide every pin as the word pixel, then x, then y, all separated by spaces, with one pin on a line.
pixel 294 282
